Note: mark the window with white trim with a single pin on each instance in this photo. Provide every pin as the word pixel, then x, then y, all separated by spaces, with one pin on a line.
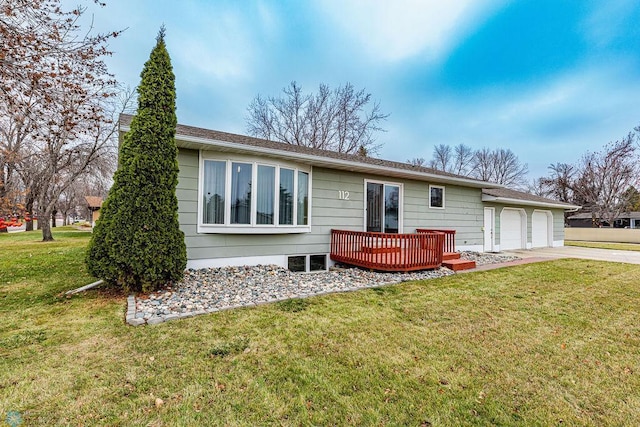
pixel 239 195
pixel 436 196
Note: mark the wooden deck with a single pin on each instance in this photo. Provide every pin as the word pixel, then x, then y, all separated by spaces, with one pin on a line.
pixel 426 249
pixel 388 251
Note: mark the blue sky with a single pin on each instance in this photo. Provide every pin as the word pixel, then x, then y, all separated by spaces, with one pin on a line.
pixel 549 79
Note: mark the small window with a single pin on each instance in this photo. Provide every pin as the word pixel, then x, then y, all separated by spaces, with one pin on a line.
pixel 436 197
pixel 297 263
pixel 317 262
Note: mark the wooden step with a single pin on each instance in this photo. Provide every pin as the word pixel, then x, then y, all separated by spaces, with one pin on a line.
pixel 380 250
pixel 450 255
pixel 459 264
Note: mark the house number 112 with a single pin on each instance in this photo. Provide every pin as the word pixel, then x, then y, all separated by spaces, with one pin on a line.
pixel 343 195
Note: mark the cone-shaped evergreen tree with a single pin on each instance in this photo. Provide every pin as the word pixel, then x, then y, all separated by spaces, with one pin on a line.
pixel 137 242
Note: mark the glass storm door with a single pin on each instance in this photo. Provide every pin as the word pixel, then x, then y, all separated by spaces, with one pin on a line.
pixel 383 208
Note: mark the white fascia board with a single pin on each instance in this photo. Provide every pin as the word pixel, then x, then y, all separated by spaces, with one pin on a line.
pixel 204 144
pixel 506 200
pixel 197 143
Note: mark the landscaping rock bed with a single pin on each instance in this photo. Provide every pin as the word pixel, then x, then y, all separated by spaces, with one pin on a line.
pixel 214 289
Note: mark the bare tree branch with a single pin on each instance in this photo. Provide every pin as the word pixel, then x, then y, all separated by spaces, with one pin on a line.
pixel 330 119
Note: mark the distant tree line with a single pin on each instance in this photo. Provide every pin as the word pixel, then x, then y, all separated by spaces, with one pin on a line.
pixel 499 165
pixel 604 182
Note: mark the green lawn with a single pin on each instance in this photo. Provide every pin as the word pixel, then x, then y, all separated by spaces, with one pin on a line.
pixel 554 343
pixel 605 245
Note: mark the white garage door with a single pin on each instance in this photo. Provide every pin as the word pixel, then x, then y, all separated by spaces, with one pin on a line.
pixel 511 230
pixel 540 223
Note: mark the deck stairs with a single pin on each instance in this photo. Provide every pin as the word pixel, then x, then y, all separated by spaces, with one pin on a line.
pixel 452 261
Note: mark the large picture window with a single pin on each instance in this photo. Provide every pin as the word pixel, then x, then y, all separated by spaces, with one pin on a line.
pixel 237 195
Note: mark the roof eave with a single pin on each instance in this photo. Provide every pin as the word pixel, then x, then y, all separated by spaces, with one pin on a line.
pixel 186 141
pixel 570 208
pixel 199 143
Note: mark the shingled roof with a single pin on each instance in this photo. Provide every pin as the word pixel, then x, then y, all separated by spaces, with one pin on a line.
pixel 198 138
pixel 93 201
pixel 511 196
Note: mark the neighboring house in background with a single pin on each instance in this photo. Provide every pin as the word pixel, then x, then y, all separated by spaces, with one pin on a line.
pixel 590 220
pixel 248 201
pixel 94 203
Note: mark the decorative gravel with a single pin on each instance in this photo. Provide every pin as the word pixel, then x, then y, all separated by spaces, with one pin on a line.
pixel 214 289
pixel 487 258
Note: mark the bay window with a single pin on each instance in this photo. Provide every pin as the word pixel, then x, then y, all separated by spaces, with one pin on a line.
pixel 253 197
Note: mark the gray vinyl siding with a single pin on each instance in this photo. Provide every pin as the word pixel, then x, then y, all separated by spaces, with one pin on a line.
pixel 558 224
pixel 327 212
pixel 463 212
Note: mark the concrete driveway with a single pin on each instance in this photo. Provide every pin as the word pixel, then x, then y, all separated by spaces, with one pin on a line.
pixel 630 257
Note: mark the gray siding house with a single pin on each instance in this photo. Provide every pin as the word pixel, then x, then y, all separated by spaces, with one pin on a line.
pixel 247 201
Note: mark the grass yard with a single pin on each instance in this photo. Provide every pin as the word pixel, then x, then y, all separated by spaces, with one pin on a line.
pixel 605 245
pixel 539 344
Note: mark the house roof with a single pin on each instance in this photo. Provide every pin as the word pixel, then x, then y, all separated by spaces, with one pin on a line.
pixel 204 139
pixel 588 215
pixel 93 201
pixel 506 195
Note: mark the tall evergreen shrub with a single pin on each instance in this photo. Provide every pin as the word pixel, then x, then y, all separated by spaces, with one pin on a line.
pixel 137 243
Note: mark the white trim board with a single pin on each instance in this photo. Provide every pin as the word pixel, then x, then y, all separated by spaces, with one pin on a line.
pixel 199 143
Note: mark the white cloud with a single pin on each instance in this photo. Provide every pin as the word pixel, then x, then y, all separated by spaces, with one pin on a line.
pixel 400 29
pixel 558 120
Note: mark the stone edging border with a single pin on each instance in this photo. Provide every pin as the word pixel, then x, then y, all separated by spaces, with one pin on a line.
pixel 132 320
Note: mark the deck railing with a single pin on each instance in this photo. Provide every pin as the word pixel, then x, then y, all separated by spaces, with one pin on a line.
pixel 449 237
pixel 388 251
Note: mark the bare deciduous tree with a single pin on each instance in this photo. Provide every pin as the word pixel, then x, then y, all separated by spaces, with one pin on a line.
pixel 507 169
pixel 55 90
pixel 601 182
pixel 500 165
pixel 417 161
pixel 334 120
pixel 559 184
pixel 482 164
pixel 462 158
pixel 538 187
pixel 605 176
pixel 442 158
